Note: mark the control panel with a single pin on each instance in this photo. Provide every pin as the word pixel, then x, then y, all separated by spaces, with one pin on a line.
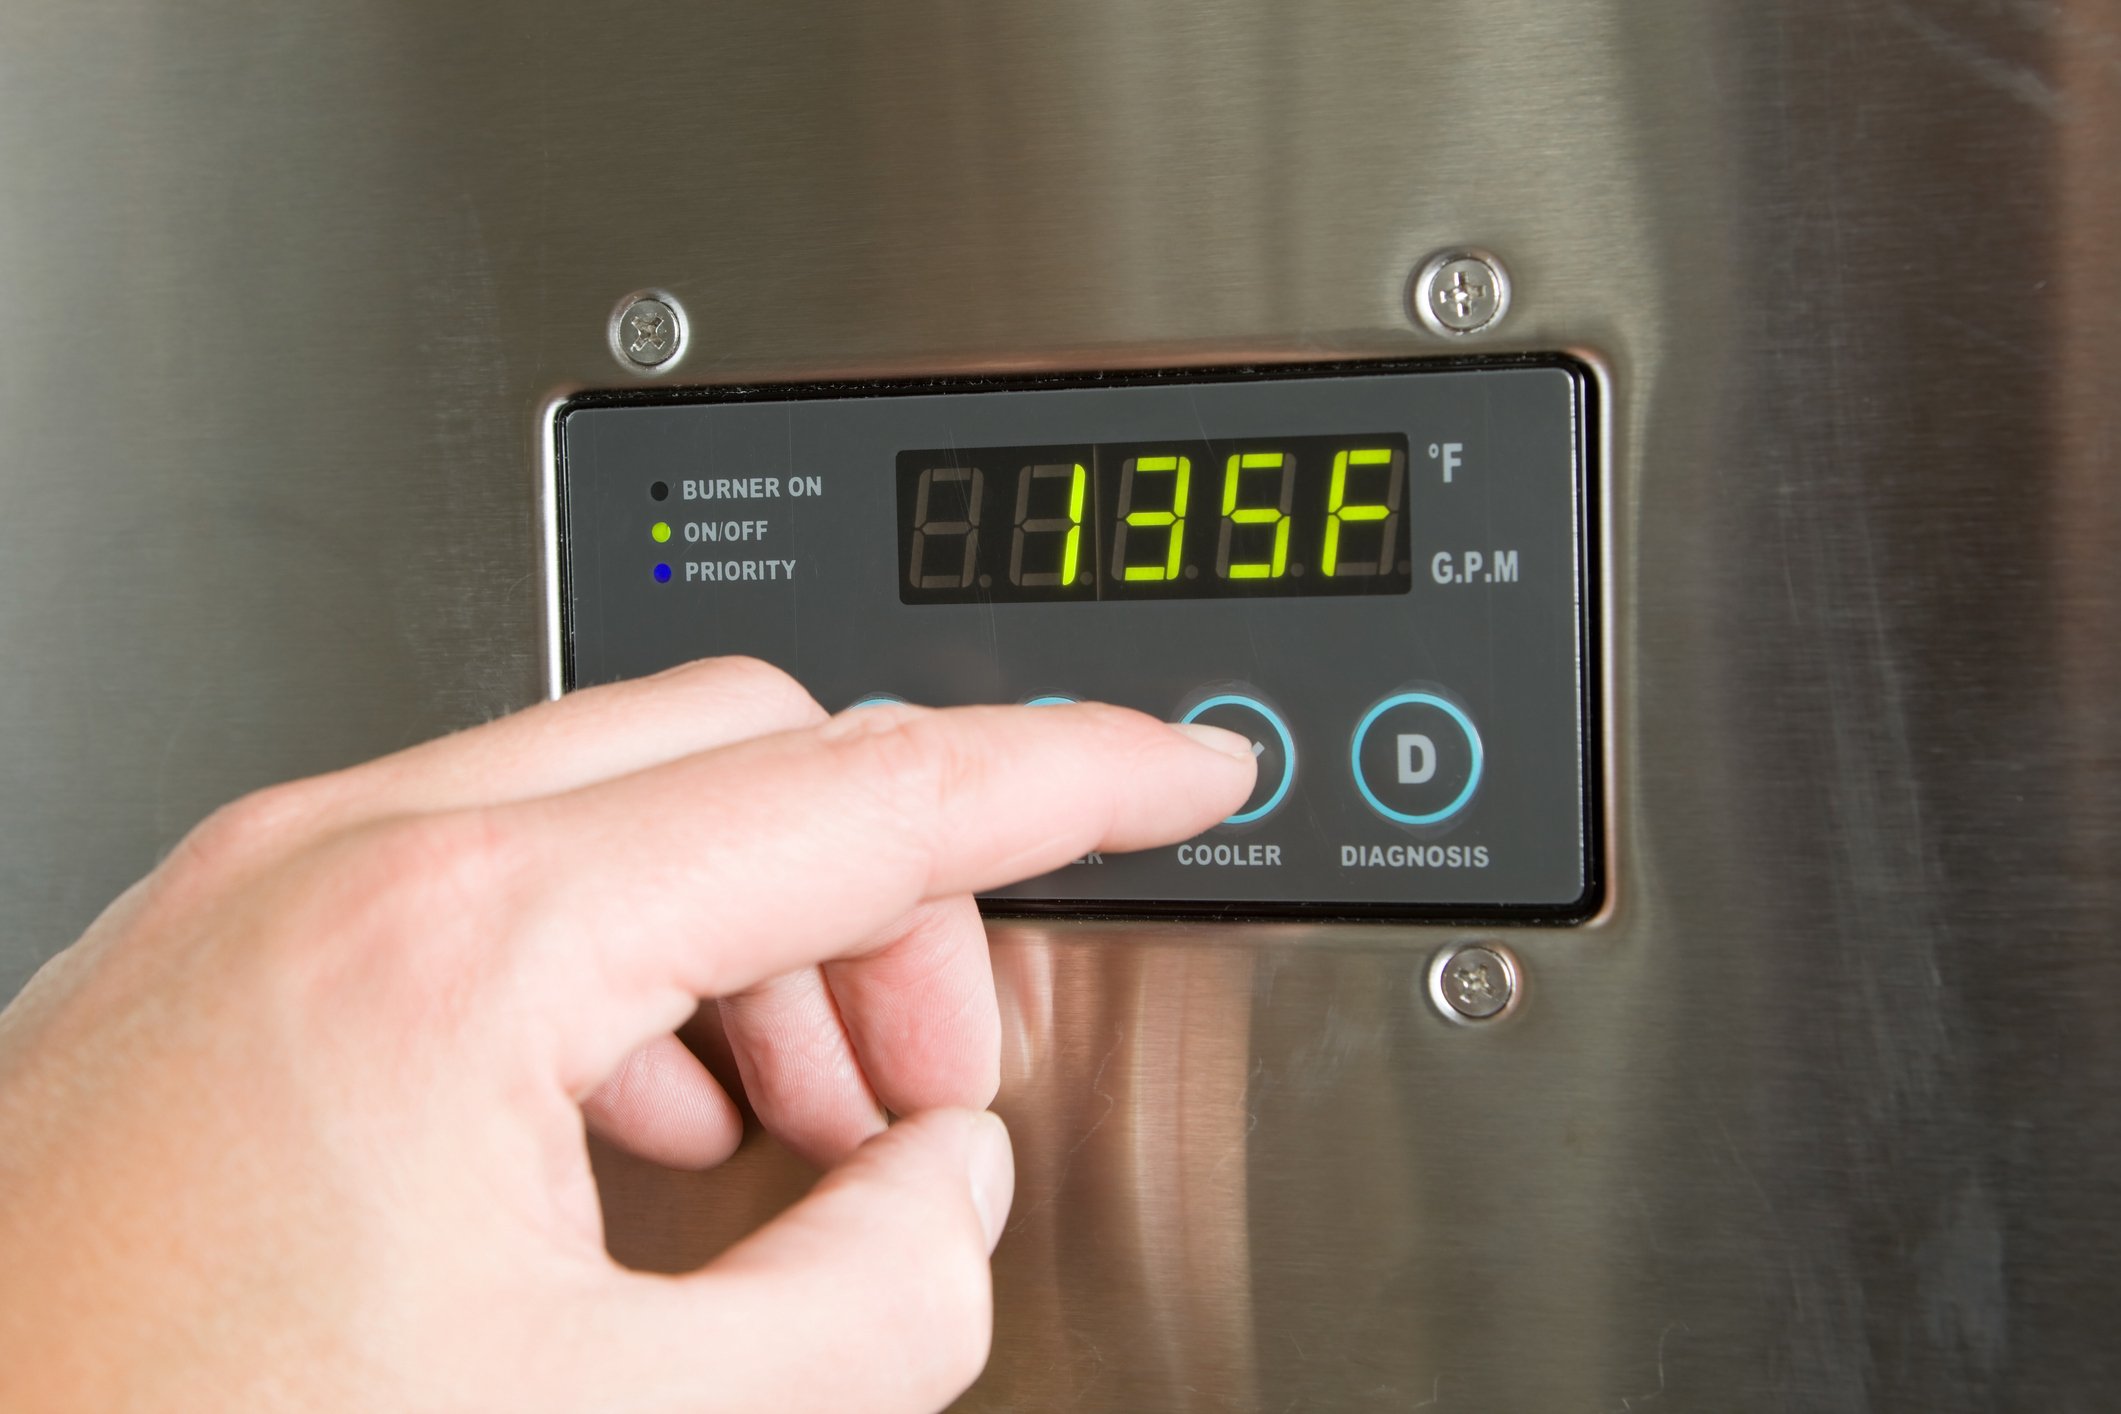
pixel 1379 575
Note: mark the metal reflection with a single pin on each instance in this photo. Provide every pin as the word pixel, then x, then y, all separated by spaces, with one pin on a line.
pixel 1130 1108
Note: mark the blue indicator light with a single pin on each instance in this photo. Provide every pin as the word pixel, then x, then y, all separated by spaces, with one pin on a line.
pixel 662 574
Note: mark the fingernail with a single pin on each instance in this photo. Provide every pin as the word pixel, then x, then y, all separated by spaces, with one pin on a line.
pixel 992 1167
pixel 1216 739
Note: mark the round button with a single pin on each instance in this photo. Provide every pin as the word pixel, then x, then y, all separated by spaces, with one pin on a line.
pixel 877 699
pixel 1271 743
pixel 1051 699
pixel 1416 758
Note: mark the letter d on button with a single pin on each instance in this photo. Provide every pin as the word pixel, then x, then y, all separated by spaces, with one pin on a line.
pixel 1421 764
pixel 1409 746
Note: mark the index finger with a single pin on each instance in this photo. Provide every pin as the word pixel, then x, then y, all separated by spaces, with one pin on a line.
pixel 695 879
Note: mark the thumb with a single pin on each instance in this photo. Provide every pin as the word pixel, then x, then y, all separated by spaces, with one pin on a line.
pixel 871 1293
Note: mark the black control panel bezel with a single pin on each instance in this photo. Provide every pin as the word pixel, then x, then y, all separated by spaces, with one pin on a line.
pixel 1589 537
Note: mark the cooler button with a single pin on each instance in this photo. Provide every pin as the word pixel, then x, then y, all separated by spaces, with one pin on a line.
pixel 1254 720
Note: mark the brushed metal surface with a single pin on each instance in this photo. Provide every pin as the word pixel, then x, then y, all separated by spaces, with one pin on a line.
pixel 1824 1113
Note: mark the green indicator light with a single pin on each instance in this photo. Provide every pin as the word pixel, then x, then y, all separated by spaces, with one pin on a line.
pixel 660 531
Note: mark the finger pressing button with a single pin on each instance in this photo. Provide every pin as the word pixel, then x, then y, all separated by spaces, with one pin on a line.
pixel 1271 744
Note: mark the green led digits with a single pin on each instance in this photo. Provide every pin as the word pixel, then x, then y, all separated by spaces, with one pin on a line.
pixel 1172 521
pixel 1340 512
pixel 1085 522
pixel 1277 515
pixel 1069 526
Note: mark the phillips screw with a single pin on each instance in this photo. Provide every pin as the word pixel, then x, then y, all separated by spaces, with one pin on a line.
pixel 1473 983
pixel 648 332
pixel 1460 292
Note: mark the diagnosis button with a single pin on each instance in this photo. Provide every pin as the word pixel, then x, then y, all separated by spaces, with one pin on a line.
pixel 1258 723
pixel 1416 758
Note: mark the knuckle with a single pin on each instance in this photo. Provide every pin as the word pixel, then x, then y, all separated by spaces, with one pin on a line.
pixel 1126 722
pixel 905 775
pixel 924 763
pixel 760 682
pixel 1123 731
pixel 432 860
pixel 1107 717
pixel 408 906
pixel 251 828
pixel 884 750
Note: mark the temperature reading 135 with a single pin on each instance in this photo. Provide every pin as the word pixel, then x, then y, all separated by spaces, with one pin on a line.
pixel 1286 516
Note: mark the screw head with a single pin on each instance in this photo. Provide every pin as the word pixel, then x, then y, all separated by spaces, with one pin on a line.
pixel 1460 292
pixel 1474 983
pixel 648 332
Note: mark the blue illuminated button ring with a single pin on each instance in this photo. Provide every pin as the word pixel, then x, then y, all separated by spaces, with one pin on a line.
pixel 1428 732
pixel 1235 712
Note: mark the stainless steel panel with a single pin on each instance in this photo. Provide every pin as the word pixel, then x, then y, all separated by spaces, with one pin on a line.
pixel 1824 1113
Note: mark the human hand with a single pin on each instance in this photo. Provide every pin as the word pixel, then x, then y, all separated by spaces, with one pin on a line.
pixel 299 1122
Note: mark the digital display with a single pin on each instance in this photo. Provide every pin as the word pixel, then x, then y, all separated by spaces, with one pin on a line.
pixel 1282 516
pixel 1380 576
